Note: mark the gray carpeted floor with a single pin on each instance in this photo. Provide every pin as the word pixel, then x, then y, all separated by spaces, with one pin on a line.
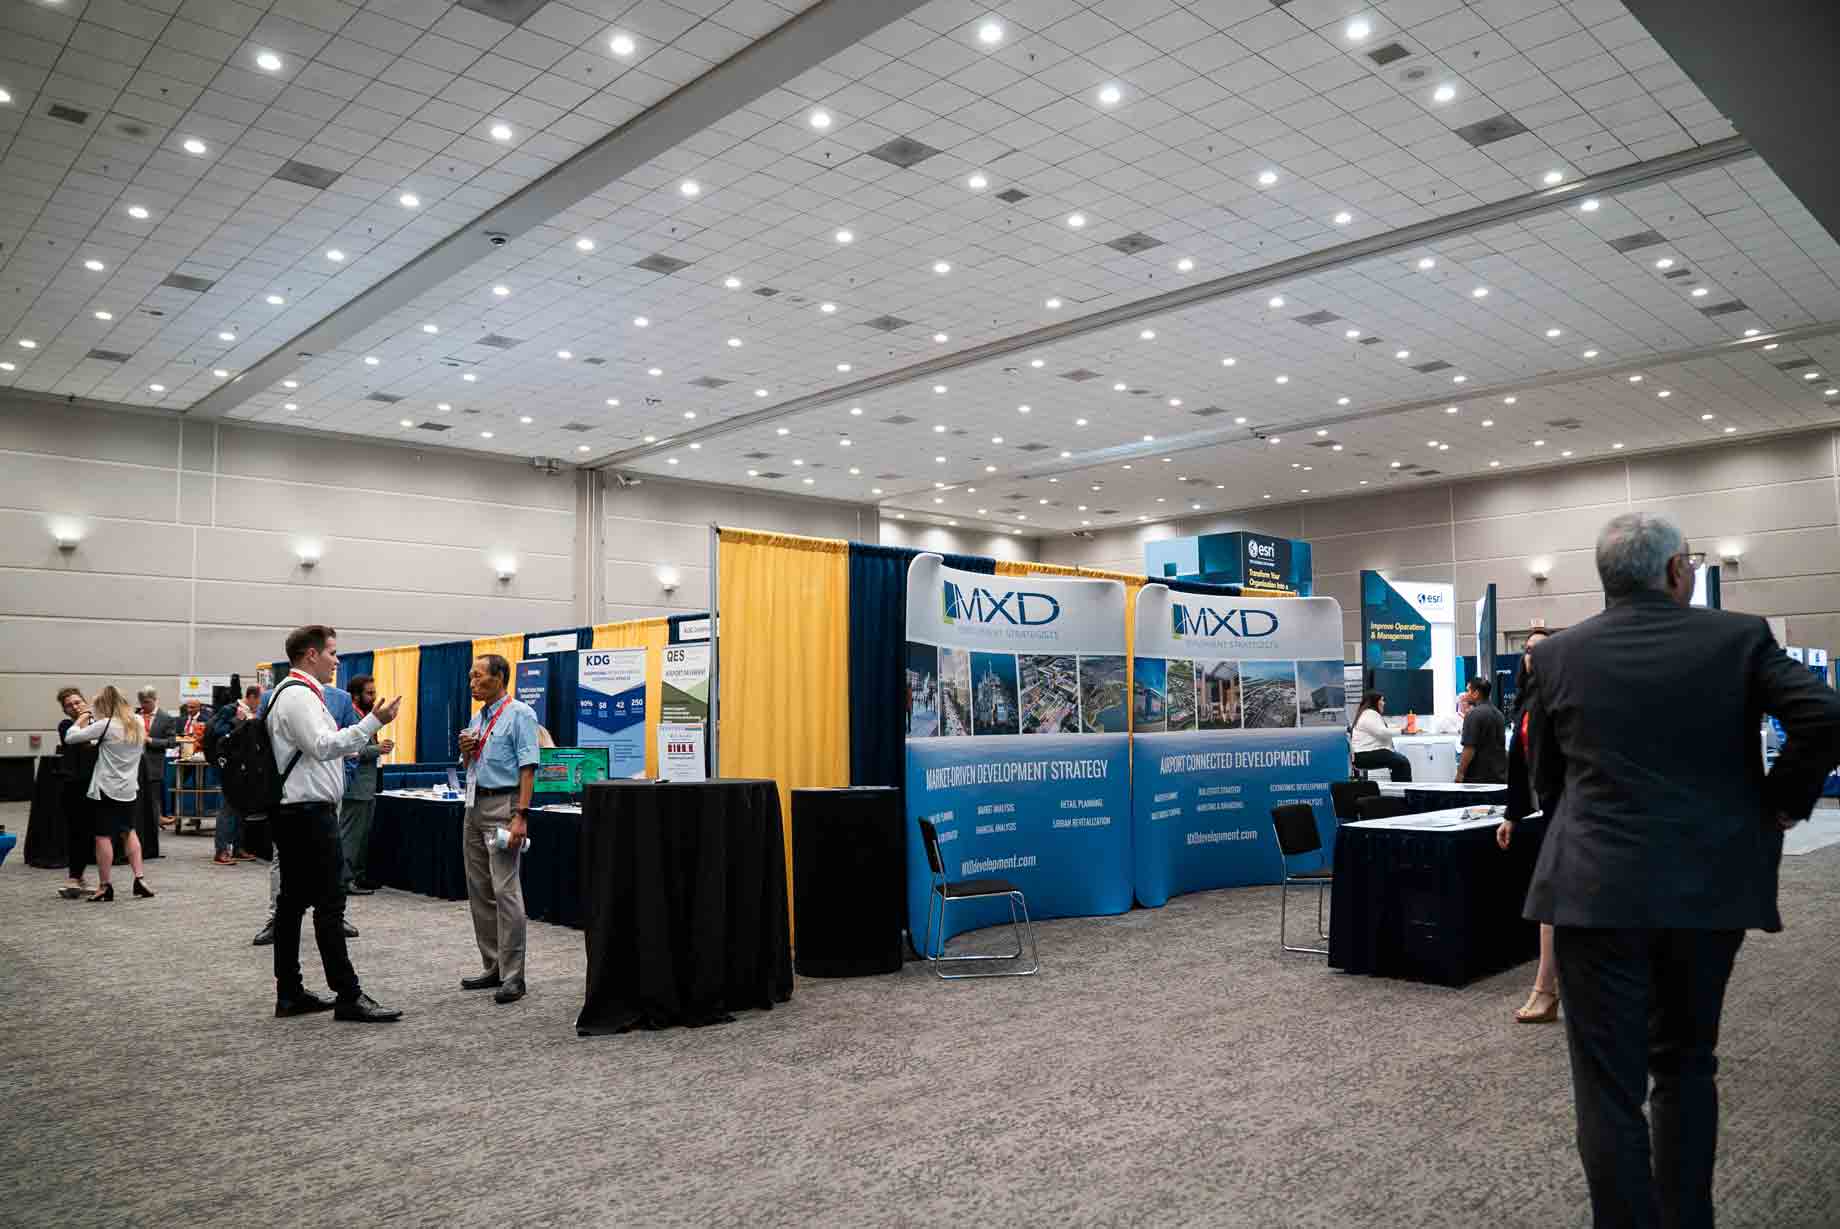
pixel 1167 1067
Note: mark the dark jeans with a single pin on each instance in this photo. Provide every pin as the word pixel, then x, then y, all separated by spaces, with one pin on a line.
pixel 1401 766
pixel 1642 1003
pixel 312 877
pixel 228 825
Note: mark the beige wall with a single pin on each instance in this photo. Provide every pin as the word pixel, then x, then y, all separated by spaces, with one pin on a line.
pixel 1776 500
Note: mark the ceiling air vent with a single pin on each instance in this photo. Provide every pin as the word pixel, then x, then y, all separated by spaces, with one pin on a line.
pixel 658 262
pixel 1641 239
pixel 899 420
pixel 903 151
pixel 1031 447
pixel 498 341
pixel 1488 131
pixel 386 398
pixel 307 175
pixel 1316 318
pixel 108 356
pixel 1207 411
pixel 1725 309
pixel 184 281
pixel 1134 242
pixel 711 382
pixel 70 115
pixel 577 426
pixel 432 426
pixel 1436 364
pixel 1009 196
pixel 766 292
pixel 514 12
pixel 1079 375
pixel 888 324
pixel 1383 56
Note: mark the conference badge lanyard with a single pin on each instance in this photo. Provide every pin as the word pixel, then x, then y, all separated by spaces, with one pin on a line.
pixel 479 750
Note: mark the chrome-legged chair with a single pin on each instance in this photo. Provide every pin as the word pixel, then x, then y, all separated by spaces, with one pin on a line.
pixel 944 892
pixel 1295 824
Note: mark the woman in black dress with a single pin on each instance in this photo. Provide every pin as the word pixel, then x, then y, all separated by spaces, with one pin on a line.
pixel 1542 1005
pixel 78 761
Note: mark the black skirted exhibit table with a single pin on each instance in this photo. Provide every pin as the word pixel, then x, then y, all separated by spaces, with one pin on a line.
pixel 1431 897
pixel 1441 795
pixel 684 889
pixel 849 880
pixel 52 791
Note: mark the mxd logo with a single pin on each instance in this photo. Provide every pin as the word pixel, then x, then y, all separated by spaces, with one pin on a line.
pixel 1011 606
pixel 1206 621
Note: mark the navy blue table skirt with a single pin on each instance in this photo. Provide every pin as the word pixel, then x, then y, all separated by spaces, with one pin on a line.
pixel 415 846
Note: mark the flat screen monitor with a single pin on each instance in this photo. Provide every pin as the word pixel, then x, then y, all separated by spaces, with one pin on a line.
pixel 565 770
pixel 1407 691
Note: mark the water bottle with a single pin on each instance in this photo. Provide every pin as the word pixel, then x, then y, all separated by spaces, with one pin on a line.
pixel 501 840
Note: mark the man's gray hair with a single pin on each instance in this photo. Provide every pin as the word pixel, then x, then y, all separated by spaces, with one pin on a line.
pixel 1633 552
pixel 149 692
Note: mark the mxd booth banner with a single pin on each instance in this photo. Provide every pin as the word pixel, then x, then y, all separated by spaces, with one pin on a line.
pixel 1238 707
pixel 1017 695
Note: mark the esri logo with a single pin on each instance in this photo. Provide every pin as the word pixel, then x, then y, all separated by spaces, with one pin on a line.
pixel 1206 621
pixel 1012 606
pixel 1265 552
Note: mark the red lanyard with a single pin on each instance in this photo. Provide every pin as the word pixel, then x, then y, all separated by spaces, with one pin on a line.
pixel 314 687
pixel 480 746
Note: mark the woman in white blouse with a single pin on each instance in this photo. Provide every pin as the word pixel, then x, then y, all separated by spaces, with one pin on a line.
pixel 1373 741
pixel 116 729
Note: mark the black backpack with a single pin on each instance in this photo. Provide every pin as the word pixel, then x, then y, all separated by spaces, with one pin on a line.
pixel 245 759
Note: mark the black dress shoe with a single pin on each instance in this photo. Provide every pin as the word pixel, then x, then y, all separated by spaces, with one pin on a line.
pixel 301 1003
pixel 351 932
pixel 141 889
pixel 265 936
pixel 365 1010
pixel 510 992
pixel 485 981
pixel 357 889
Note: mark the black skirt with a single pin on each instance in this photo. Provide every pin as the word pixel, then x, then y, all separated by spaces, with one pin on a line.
pixel 111 818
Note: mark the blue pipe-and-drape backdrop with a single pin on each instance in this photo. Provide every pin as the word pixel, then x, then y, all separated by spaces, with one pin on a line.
pixel 878 657
pixel 561 710
pixel 444 701
pixel 351 665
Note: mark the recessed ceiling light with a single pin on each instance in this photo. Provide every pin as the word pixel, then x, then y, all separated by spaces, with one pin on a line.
pixel 1636 379
pixel 843 367
pixel 622 45
pixel 158 388
pixel 1494 464
pixel 220 373
pixel 1240 420
pixel 1357 29
pixel 1432 443
pixel 275 300
pixel 1664 392
pixel 694 446
pixel 1480 292
pixel 820 120
pixel 1341 401
pixel 1076 220
pixel 1590 354
pixel 827 308
pixel 734 343
pixel 939 460
pixel 1829 392
pixel 105 315
pixel 1811 375
pixel 527 420
pixel 942 267
pixel 843 442
pixel 651 439
pixel 501 132
pixel 1052 304
pixel 1426 262
pixel 1459 379
pixel 1444 93
pixel 1175 402
pixel 1553 178
pixel 565 355
pixel 613 401
pixel 1343 218
pixel 1539 443
pixel 290 383
pixel 1284 380
pixel 335 255
pixel 1396 465
pixel 1488 422
pixel 582 448
pixel 996 439
pixel 990 33
pixel 1555 332
pixel 1618 445
pixel 845 236
pixel 371 360
pixel 431 328
pixel 856 411
pixel 1402 354
pixel 1079 422
pixel 939 388
pixel 941 338
pixel 1321 431
pixel 27 343
pixel 1666 262
pixel 1268 178
pixel 138 212
pixel 1185 265
pixel 470 378
pixel 658 371
pixel 1147 335
pixel 1351 334
pixel 670 460
pixel 226 336
pixel 409 200
pixel 1229 362
pixel 410 422
pixel 1771 345
pixel 690 188
pixel 1035 362
pixel 1509 400
pixel 1109 95
pixel 286 405
pixel 1589 206
pixel 1451 409
pixel 1729 430
pixel 642 322
pixel 1276 300
pixel 783 430
pixel 194 146
pixel 94 266
pixel 759 392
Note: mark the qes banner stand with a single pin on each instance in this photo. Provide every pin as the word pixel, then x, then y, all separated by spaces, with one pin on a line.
pixel 683 712
pixel 1017 700
pixel 611 693
pixel 1238 707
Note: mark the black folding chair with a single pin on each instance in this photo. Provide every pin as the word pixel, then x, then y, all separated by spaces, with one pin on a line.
pixel 1382 807
pixel 1295 824
pixel 945 892
pixel 1345 795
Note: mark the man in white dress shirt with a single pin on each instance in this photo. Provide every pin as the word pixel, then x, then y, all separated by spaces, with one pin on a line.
pixel 311 749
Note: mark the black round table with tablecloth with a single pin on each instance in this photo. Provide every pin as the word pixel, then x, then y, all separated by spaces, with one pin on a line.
pixel 1421 800
pixel 849 880
pixel 45 845
pixel 1442 907
pixel 684 889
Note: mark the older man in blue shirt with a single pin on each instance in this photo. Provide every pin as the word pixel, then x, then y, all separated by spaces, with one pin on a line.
pixel 499 749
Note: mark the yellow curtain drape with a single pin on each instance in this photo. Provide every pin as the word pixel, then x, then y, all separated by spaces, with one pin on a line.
pixel 511 648
pixel 398 672
pixel 785 662
pixel 651 635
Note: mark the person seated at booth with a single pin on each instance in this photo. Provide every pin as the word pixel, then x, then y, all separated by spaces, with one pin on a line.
pixel 1373 739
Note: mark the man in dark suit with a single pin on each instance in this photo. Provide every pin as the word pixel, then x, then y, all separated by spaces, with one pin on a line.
pixel 162 733
pixel 1662 851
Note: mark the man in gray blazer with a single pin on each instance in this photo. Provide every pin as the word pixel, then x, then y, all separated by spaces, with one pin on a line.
pixel 1662 850
pixel 162 733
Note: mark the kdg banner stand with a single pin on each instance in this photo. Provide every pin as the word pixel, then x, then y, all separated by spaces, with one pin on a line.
pixel 1016 744
pixel 611 693
pixel 1239 706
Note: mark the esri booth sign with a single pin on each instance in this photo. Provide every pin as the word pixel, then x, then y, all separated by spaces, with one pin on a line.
pixel 1237 707
pixel 1017 696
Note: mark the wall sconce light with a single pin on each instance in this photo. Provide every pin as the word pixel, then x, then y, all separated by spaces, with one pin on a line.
pixel 506 568
pixel 308 554
pixel 67 540
pixel 1540 568
pixel 668 579
pixel 1730 555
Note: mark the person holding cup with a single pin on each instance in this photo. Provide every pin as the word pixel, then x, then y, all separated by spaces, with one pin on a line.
pixel 499 750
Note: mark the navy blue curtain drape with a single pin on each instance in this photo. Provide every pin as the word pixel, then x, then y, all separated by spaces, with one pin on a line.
pixel 351 665
pixel 444 701
pixel 564 679
pixel 878 657
pixel 279 671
